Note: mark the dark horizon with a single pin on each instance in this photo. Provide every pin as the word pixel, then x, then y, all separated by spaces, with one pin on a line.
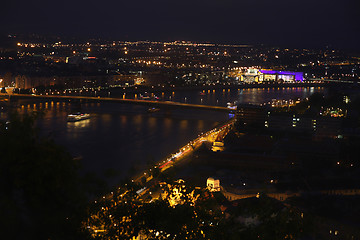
pixel 308 24
pixel 74 38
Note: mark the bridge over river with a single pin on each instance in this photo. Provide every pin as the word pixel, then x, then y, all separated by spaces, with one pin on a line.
pixel 153 104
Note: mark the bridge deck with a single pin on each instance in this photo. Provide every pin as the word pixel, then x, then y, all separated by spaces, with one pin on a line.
pixel 159 104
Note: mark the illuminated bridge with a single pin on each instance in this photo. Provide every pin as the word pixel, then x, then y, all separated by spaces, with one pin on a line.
pixel 155 104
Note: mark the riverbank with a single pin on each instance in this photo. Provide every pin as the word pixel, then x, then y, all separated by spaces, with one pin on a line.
pixel 150 89
pixel 183 153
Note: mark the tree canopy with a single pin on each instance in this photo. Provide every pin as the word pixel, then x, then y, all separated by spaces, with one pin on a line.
pixel 40 192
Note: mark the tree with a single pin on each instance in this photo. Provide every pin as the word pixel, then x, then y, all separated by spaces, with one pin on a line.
pixel 182 212
pixel 40 192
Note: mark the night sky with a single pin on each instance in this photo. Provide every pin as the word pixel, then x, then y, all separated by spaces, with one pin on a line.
pixel 293 23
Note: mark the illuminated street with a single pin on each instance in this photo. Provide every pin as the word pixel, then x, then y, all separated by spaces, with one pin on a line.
pixel 185 151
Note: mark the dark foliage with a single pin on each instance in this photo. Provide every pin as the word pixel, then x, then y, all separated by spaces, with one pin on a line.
pixel 40 193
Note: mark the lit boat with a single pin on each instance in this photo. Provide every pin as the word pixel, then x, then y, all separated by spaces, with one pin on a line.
pixel 151 110
pixel 78 117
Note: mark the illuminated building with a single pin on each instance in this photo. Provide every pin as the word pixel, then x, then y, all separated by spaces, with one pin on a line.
pixel 217 146
pixel 281 76
pixel 213 184
pixel 254 75
pixel 251 75
pixel 138 81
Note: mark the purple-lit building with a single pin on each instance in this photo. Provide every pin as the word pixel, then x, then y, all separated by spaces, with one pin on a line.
pixel 280 76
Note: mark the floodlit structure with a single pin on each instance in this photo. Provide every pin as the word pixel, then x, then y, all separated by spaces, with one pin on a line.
pixel 213 184
pixel 252 75
pixel 281 76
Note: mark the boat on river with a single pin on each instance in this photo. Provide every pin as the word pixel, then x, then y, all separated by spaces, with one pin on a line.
pixel 74 117
pixel 152 110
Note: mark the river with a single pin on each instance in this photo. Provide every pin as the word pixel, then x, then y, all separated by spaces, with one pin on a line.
pixel 120 140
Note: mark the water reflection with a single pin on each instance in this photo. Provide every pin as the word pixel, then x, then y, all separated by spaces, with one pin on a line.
pixel 73 126
pixel 183 125
pixel 122 137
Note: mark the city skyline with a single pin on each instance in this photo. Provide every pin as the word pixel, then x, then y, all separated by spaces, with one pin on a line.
pixel 289 24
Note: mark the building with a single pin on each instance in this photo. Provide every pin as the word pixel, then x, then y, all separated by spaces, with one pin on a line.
pixel 217 146
pixel 23 82
pixel 254 75
pixel 213 184
pixel 251 75
pixel 251 114
pixel 280 76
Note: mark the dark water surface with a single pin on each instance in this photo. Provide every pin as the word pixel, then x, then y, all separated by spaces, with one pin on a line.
pixel 124 139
